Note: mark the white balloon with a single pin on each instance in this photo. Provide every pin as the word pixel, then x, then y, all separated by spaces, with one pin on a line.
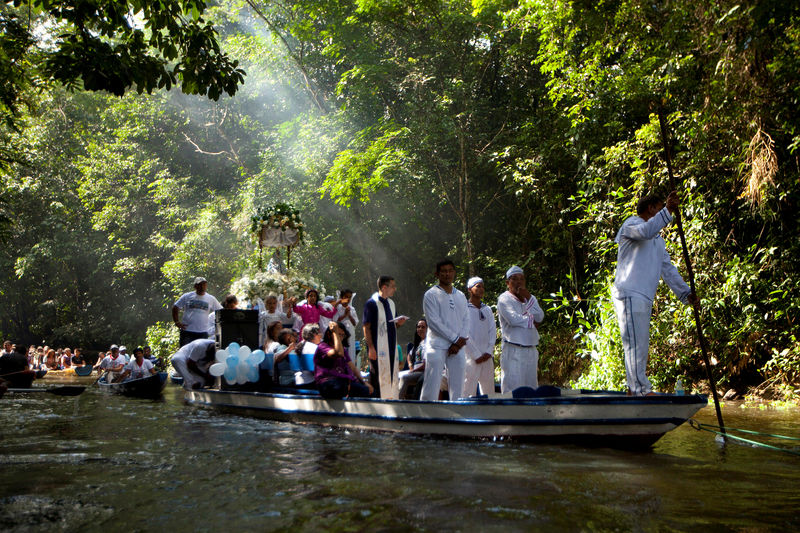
pixel 217 369
pixel 241 373
pixel 244 352
pixel 221 356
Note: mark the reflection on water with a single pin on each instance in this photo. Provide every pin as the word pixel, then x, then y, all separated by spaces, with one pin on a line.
pixel 100 463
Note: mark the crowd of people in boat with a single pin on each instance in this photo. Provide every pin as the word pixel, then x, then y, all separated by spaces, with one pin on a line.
pixel 16 361
pixel 311 343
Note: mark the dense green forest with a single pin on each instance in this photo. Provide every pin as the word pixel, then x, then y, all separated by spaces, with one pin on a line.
pixel 138 141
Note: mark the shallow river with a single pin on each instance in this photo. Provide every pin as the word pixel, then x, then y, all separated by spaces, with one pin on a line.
pixel 107 463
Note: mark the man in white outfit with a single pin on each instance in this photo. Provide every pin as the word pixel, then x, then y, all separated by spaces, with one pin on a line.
pixel 192 360
pixel 445 309
pixel 642 260
pixel 519 314
pixel 480 345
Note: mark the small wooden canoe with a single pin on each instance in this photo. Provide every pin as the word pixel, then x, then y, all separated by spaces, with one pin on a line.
pixel 147 387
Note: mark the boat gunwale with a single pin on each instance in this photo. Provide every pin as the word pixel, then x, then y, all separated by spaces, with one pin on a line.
pixel 611 398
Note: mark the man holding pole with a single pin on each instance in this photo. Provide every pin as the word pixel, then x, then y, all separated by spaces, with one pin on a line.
pixel 642 260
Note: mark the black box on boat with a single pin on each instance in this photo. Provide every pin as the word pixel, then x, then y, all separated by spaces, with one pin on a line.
pixel 237 316
pixel 239 326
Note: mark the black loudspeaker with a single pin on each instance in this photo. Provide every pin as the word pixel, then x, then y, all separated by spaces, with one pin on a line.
pixel 239 326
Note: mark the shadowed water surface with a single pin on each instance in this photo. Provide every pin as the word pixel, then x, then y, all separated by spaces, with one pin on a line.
pixel 107 463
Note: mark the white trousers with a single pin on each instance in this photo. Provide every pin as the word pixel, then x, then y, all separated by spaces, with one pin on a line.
pixel 633 317
pixel 179 363
pixel 519 367
pixel 478 374
pixel 435 363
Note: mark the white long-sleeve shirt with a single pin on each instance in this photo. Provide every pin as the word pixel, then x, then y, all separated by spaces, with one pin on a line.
pixel 482 332
pixel 341 317
pixel 642 259
pixel 446 315
pixel 518 319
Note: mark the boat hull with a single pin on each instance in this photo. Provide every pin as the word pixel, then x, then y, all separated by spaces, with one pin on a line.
pixel 591 418
pixel 148 387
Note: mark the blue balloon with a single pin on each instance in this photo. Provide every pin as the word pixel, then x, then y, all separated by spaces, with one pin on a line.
pixel 257 356
pixel 252 374
pixel 232 361
pixel 230 374
pixel 233 348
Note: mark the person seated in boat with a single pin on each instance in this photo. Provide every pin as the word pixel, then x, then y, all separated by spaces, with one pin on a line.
pixel 77 358
pixel 138 368
pixel 38 358
pixel 112 364
pixel 7 348
pixel 271 341
pixel 287 343
pixel 310 311
pixel 192 360
pixel 334 373
pixel 150 356
pixel 304 363
pixel 270 346
pixel 65 361
pixel 14 368
pixel 50 360
pixel 411 378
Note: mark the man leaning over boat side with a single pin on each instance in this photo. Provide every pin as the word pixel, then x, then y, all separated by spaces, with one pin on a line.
pixel 380 335
pixel 445 310
pixel 520 315
pixel 196 306
pixel 642 260
pixel 192 360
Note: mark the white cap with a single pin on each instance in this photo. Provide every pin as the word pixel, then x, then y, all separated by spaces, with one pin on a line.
pixel 514 270
pixel 473 281
pixel 198 280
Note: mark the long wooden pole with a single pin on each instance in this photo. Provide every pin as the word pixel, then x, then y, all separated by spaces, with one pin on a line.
pixel 687 261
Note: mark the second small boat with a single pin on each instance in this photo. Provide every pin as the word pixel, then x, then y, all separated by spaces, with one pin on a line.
pixel 147 387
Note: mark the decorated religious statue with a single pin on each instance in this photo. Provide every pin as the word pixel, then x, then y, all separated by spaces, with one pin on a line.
pixel 277 227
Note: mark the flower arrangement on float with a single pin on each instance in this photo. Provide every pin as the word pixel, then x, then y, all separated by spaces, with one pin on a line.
pixel 263 284
pixel 282 216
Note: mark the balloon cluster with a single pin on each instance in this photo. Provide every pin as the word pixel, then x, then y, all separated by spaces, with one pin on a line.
pixel 238 364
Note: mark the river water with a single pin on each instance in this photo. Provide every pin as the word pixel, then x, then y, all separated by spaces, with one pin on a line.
pixel 108 463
